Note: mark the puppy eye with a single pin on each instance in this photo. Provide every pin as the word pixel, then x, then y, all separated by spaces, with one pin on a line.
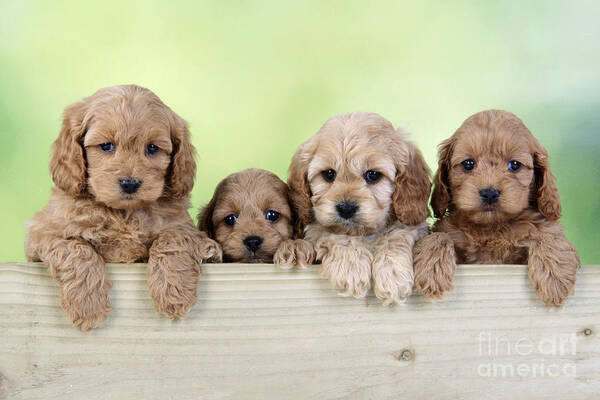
pixel 107 147
pixel 468 165
pixel 514 165
pixel 328 175
pixel 272 216
pixel 152 149
pixel 230 219
pixel 372 176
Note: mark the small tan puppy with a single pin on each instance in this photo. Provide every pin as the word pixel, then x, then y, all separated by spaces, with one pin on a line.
pixel 497 202
pixel 123 166
pixel 249 215
pixel 360 193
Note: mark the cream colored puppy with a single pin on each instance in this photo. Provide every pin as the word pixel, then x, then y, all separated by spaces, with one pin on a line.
pixel 360 192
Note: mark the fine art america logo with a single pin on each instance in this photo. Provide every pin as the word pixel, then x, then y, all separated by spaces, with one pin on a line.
pixel 548 356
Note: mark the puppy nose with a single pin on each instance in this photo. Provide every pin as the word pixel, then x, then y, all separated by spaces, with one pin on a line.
pixel 129 185
pixel 346 209
pixel 489 195
pixel 253 243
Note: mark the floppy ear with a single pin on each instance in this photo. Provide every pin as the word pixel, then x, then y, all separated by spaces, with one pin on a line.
pixel 68 165
pixel 299 189
pixel 297 226
pixel 180 180
pixel 412 189
pixel 205 215
pixel 440 199
pixel 548 200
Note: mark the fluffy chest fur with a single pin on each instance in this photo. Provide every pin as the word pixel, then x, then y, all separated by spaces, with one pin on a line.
pixel 489 248
pixel 120 236
pixel 507 242
pixel 317 234
pixel 117 235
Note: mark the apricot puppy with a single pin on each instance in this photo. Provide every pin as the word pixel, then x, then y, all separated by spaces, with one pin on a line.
pixel 360 193
pixel 123 167
pixel 249 216
pixel 497 202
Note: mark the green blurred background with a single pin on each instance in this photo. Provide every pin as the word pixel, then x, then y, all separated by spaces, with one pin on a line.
pixel 255 79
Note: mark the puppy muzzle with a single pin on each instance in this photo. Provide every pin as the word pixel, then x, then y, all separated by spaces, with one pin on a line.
pixel 346 209
pixel 129 185
pixel 489 195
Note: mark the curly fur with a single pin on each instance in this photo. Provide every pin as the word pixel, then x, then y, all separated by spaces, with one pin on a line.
pixel 248 195
pixel 521 227
pixel 376 243
pixel 90 221
pixel 294 253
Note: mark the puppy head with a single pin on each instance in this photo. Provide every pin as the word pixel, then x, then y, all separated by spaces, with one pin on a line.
pixel 356 175
pixel 493 168
pixel 249 215
pixel 123 147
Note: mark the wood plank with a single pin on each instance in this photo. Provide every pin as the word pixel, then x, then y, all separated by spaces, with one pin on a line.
pixel 258 332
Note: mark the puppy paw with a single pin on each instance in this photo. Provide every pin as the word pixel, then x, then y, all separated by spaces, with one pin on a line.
pixel 346 267
pixel 172 303
pixel 434 265
pixel 84 285
pixel 173 271
pixel 392 279
pixel 554 290
pixel 210 250
pixel 552 279
pixel 86 306
pixel 294 253
pixel 552 264
pixel 173 287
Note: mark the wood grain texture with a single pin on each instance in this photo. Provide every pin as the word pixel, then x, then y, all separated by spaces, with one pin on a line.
pixel 258 332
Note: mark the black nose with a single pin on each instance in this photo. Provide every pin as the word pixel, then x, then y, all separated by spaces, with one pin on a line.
pixel 346 209
pixel 489 195
pixel 253 243
pixel 129 185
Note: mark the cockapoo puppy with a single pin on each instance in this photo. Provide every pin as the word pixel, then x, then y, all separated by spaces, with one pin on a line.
pixel 360 192
pixel 249 216
pixel 123 167
pixel 497 202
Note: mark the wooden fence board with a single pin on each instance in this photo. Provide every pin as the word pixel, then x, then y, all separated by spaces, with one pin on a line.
pixel 258 332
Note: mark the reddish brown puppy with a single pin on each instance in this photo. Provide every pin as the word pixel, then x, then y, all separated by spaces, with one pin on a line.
pixel 249 216
pixel 123 167
pixel 497 202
